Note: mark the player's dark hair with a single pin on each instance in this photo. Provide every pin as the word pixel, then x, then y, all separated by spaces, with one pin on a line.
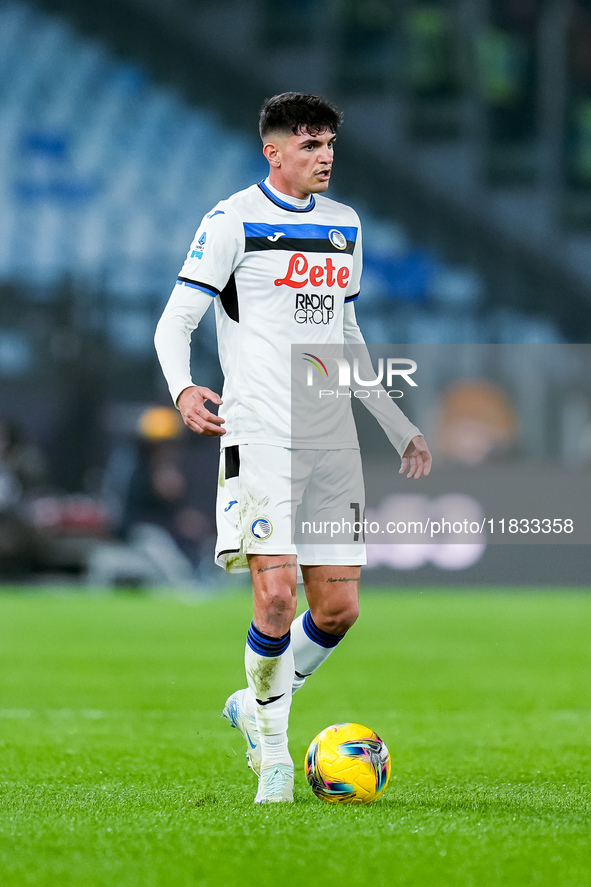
pixel 293 112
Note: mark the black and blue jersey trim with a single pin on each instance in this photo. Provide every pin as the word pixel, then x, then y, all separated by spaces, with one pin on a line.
pixel 197 285
pixel 265 645
pixel 317 635
pixel 284 204
pixel 351 298
pixel 300 238
pixel 301 230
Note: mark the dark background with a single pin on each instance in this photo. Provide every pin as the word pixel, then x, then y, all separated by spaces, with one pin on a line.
pixel 466 149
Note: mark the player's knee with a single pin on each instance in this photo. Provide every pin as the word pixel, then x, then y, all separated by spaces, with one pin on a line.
pixel 279 603
pixel 338 621
pixel 347 618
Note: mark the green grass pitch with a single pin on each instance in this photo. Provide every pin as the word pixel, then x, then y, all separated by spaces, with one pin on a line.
pixel 116 769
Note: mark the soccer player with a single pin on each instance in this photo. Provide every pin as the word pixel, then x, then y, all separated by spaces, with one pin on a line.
pixel 282 264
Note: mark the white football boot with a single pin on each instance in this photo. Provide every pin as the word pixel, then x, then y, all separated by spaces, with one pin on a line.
pixel 235 712
pixel 275 784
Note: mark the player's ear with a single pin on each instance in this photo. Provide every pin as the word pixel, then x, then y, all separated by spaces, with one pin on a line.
pixel 272 153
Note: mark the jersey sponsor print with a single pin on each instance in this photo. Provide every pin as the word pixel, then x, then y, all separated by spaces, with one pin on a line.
pixel 280 274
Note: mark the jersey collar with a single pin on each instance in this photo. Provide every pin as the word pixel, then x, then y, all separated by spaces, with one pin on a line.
pixel 274 198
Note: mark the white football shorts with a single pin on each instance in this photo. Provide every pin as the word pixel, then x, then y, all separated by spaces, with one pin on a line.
pixel 274 500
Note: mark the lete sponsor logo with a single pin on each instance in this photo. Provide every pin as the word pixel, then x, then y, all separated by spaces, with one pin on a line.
pixel 299 273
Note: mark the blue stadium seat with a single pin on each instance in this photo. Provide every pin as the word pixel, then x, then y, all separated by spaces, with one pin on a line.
pixel 107 175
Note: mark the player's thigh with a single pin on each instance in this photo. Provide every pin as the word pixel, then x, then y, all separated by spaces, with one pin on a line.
pixel 254 511
pixel 332 592
pixel 228 551
pixel 329 527
pixel 266 500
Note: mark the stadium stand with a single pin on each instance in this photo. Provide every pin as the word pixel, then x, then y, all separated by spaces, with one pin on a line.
pixel 107 174
pixel 111 154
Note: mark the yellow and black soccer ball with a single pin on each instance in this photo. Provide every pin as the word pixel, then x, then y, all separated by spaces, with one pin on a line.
pixel 347 764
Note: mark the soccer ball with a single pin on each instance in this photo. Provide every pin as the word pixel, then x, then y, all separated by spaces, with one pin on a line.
pixel 347 764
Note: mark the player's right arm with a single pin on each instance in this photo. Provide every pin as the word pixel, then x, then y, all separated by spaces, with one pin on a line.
pixel 196 416
pixel 172 339
pixel 210 261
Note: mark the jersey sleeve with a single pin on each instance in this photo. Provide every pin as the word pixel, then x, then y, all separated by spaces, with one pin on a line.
pixel 354 286
pixel 215 251
pixel 399 430
pixel 172 338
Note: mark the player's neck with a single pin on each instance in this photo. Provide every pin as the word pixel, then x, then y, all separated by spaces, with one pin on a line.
pixel 300 202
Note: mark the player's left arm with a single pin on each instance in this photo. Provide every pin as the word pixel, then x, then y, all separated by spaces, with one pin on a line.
pixel 403 435
pixel 416 458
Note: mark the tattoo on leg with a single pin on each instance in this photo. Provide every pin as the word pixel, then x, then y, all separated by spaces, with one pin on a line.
pixel 343 579
pixel 275 567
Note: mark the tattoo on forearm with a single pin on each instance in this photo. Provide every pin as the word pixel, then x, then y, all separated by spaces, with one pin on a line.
pixel 344 579
pixel 276 567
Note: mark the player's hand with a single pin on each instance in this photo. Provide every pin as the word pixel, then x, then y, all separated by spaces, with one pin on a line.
pixel 196 416
pixel 417 458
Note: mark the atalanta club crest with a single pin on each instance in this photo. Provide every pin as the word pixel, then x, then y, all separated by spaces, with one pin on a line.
pixel 261 528
pixel 337 238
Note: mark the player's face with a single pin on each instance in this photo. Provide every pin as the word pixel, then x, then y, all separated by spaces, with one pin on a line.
pixel 301 164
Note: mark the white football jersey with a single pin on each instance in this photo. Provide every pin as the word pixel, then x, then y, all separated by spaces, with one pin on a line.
pixel 280 274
